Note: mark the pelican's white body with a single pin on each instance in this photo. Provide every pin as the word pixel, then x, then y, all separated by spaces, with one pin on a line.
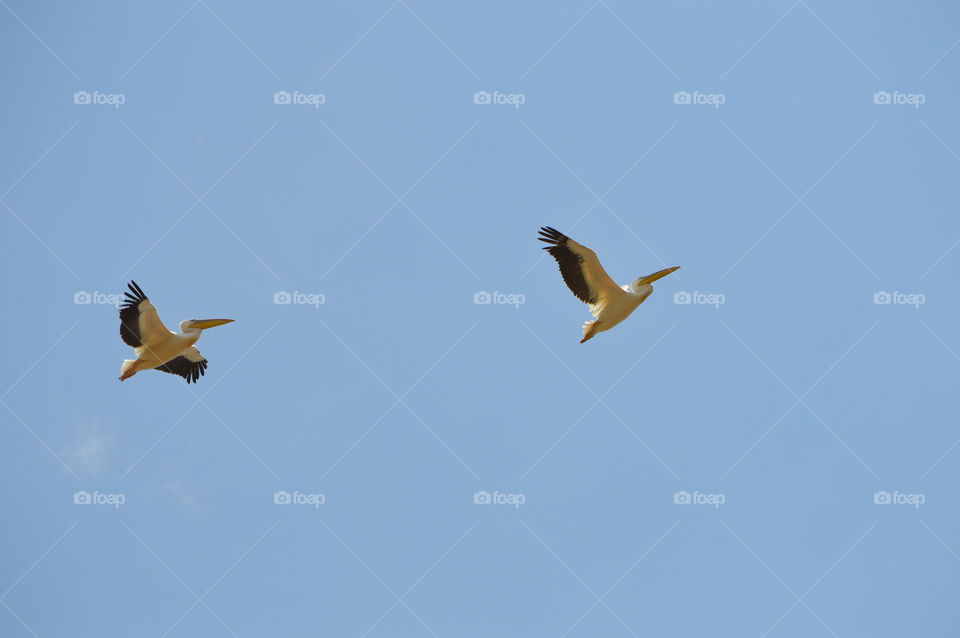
pixel 161 346
pixel 614 305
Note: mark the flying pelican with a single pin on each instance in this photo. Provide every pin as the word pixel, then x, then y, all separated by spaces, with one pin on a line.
pixel 156 347
pixel 591 284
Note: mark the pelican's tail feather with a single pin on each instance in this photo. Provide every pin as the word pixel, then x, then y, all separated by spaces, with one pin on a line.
pixel 589 330
pixel 127 364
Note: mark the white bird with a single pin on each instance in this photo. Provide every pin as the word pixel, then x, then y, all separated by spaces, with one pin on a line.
pixel 589 282
pixel 156 347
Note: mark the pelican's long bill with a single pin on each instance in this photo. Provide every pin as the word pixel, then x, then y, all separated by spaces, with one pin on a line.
pixel 649 279
pixel 203 324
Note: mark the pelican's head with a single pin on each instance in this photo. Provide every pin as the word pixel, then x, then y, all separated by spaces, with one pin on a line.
pixel 649 279
pixel 201 324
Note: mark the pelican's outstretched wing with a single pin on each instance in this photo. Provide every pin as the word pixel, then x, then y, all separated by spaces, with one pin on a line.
pixel 581 269
pixel 190 365
pixel 140 324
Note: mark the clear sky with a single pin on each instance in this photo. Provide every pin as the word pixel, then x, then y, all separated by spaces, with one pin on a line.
pixel 776 457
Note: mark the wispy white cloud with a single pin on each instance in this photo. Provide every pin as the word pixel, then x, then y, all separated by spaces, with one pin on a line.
pixel 89 453
pixel 182 493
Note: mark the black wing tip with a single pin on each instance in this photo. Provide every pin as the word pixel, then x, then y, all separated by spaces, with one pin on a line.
pixel 196 372
pixel 551 236
pixel 134 297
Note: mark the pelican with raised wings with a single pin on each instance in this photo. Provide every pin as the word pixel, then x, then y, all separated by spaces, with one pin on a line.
pixel 589 282
pixel 156 347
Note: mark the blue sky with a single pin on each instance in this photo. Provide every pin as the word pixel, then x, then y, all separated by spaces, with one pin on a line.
pixel 775 457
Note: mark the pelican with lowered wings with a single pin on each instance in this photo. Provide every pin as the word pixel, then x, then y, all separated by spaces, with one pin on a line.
pixel 589 282
pixel 156 347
